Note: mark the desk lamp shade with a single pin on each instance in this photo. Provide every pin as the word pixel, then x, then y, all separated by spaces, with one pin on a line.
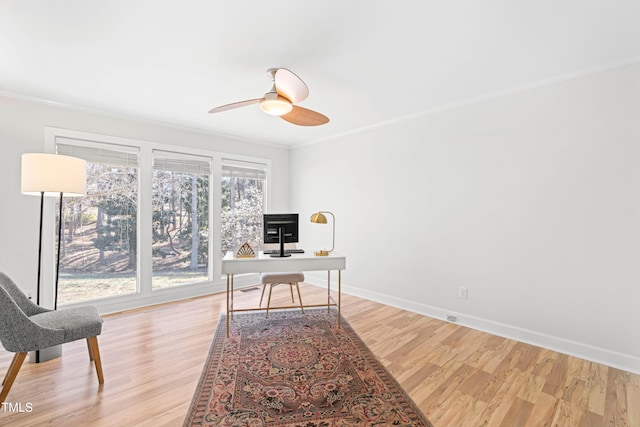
pixel 320 218
pixel 53 174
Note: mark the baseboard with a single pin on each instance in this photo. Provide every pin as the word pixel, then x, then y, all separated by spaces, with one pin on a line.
pixel 600 355
pixel 118 304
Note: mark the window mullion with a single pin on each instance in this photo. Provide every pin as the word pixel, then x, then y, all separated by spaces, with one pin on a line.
pixel 145 218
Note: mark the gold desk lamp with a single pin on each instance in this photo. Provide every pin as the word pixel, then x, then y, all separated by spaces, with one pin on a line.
pixel 319 218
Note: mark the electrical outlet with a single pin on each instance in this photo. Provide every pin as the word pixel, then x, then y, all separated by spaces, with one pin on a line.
pixel 462 292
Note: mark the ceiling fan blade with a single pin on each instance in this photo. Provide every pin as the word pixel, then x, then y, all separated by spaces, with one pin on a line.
pixel 304 117
pixel 235 105
pixel 290 86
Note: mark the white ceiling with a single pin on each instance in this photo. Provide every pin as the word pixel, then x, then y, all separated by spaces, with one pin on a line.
pixel 365 62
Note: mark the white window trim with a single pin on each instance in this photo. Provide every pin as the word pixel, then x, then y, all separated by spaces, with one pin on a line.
pixel 146 295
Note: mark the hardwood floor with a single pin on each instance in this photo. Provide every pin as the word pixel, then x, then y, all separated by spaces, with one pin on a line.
pixel 152 360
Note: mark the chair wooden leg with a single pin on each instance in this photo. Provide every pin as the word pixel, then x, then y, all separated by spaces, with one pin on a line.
pixel 291 289
pixel 269 300
pixel 13 362
pixel 262 296
pixel 89 349
pixel 15 366
pixel 95 352
pixel 299 297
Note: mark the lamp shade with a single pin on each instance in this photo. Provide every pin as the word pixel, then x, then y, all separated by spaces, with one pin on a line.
pixel 318 218
pixel 53 174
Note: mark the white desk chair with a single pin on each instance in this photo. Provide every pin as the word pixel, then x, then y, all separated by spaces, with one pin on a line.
pixel 274 279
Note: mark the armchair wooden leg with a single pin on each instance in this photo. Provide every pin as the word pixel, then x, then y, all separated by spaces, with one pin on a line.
pixel 6 375
pixel 95 353
pixel 89 349
pixel 15 366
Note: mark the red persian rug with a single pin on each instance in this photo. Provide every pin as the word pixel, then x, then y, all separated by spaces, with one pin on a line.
pixel 296 370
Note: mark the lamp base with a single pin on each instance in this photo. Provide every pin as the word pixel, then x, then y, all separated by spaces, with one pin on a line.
pixel 45 354
pixel 321 253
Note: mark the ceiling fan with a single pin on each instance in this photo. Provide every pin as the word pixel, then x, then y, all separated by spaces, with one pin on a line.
pixel 287 89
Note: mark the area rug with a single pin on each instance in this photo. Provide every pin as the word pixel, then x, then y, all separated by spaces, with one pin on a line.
pixel 297 370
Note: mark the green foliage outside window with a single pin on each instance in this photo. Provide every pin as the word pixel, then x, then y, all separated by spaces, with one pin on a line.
pixel 242 208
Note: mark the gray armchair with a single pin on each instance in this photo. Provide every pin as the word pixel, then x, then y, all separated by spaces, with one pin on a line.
pixel 25 327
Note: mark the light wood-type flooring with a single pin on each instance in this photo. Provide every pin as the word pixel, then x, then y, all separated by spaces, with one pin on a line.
pixel 153 357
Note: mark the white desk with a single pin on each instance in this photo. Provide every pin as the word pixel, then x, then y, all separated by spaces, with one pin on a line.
pixel 296 262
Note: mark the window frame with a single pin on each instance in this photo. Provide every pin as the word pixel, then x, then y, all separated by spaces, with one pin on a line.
pixel 146 295
pixel 163 157
pixel 246 170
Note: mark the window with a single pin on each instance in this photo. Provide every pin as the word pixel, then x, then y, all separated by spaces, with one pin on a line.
pixel 98 252
pixel 180 199
pixel 243 203
pixel 145 232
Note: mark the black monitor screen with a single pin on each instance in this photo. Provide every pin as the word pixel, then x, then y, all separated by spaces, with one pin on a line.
pixel 274 222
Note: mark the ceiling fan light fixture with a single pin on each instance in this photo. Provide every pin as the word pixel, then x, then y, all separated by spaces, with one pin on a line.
pixel 287 90
pixel 275 104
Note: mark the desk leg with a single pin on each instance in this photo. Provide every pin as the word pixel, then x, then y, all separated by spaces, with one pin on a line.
pixel 339 296
pixel 328 291
pixel 227 317
pixel 231 312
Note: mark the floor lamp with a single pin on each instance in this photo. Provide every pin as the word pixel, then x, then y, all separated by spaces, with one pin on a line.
pixel 52 175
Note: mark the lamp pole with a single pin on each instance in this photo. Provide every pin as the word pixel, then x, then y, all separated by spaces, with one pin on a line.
pixel 40 247
pixel 55 289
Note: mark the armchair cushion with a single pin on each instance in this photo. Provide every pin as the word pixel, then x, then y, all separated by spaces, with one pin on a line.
pixel 76 323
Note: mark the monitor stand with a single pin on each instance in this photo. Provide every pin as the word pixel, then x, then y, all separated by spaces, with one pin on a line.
pixel 282 253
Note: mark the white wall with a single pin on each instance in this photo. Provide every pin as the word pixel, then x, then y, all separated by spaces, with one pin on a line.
pixel 530 200
pixel 22 130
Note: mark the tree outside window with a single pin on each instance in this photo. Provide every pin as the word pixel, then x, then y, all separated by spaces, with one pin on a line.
pixel 243 202
pixel 98 255
pixel 180 219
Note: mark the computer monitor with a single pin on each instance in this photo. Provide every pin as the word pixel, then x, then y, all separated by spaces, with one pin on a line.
pixel 281 229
